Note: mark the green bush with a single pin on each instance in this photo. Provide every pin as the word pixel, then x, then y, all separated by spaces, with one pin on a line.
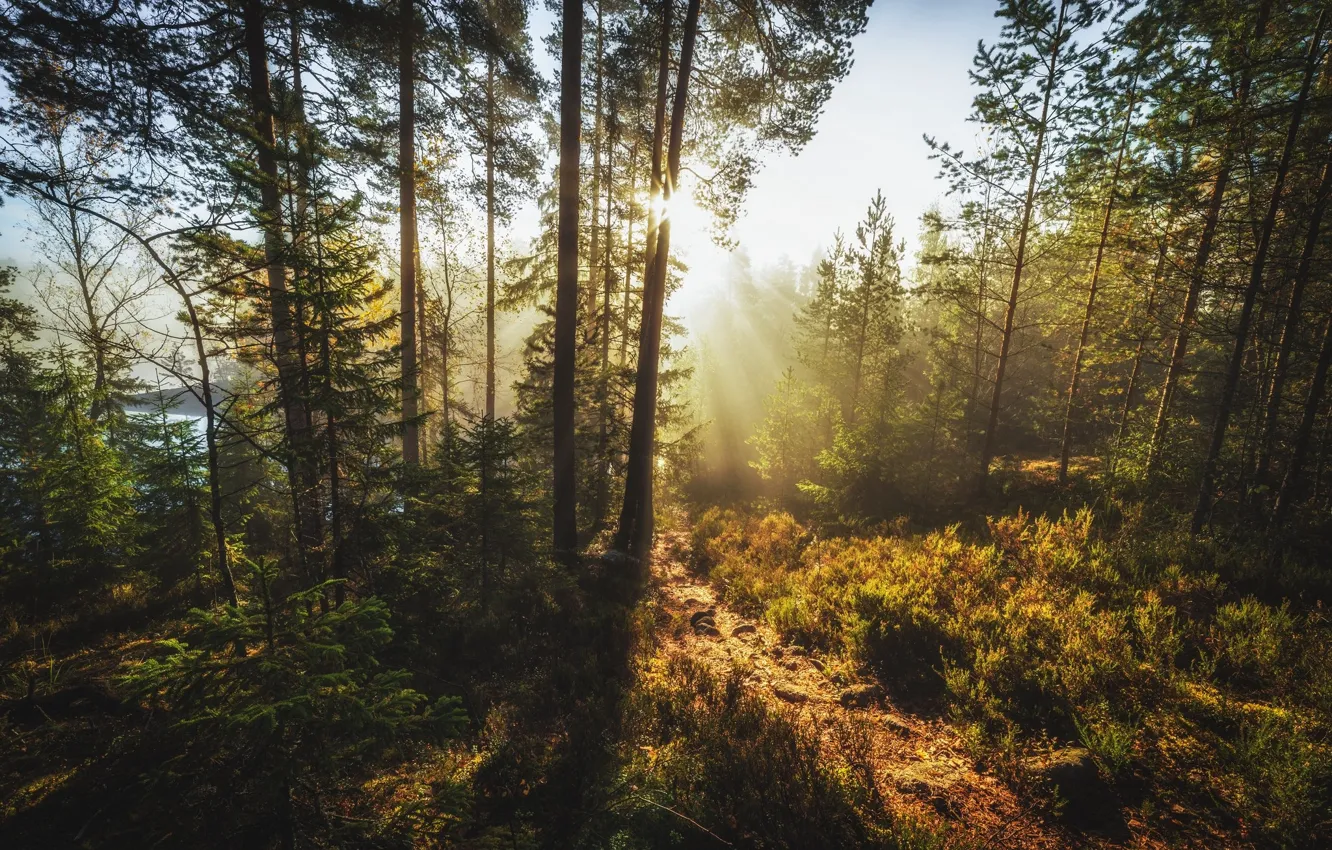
pixel 1253 644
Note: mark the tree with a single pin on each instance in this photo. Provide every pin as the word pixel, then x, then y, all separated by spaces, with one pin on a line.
pixel 90 295
pixel 1031 97
pixel 1065 445
pixel 566 299
pixel 411 436
pixel 1219 179
pixel 798 52
pixel 1202 509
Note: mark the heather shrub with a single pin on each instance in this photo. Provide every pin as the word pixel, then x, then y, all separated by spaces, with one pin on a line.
pixel 1058 630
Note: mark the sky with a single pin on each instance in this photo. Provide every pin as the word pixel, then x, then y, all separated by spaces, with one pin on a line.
pixel 909 78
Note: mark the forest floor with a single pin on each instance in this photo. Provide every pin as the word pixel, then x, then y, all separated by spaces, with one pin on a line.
pixel 920 763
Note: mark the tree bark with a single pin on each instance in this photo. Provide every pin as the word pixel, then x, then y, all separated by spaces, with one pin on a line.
pixel 1291 325
pixel 1010 314
pixel 1065 446
pixel 629 256
pixel 1196 278
pixel 604 328
pixel 411 437
pixel 1292 484
pixel 270 221
pixel 490 235
pixel 638 464
pixel 1202 510
pixel 565 536
pixel 210 443
pixel 1136 372
pixel 640 539
pixel 594 218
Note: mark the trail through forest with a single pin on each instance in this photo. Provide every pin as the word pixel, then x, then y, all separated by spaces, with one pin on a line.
pixel 920 764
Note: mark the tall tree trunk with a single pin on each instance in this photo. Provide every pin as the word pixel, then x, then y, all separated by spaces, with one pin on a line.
pixel 1202 510
pixel 594 218
pixel 638 427
pixel 565 537
pixel 270 220
pixel 1135 373
pixel 423 358
pixel 648 366
pixel 1196 278
pixel 490 235
pixel 1290 327
pixel 1010 314
pixel 629 257
pixel 1291 485
pixel 210 443
pixel 337 562
pixel 978 343
pixel 604 326
pixel 446 328
pixel 411 437
pixel 1066 444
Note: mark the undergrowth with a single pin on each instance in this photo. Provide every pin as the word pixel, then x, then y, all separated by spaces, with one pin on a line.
pixel 1190 695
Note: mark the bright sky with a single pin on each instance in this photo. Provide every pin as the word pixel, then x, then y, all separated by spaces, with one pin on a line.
pixel 910 77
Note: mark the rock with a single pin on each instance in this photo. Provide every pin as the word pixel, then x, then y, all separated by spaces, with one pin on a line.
pixel 928 780
pixel 707 629
pixel 1072 771
pixel 792 664
pixel 1072 775
pixel 861 696
pixel 789 694
pixel 896 725
pixel 744 629
pixel 708 614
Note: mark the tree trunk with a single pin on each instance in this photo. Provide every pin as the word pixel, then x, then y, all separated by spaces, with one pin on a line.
pixel 411 437
pixel 1291 325
pixel 978 346
pixel 337 564
pixel 1176 366
pixel 565 537
pixel 1065 446
pixel 270 222
pixel 629 257
pixel 490 235
pixel 446 329
pixel 1136 372
pixel 1291 485
pixel 646 387
pixel 594 218
pixel 210 442
pixel 1202 510
pixel 604 326
pixel 1010 314
pixel 638 466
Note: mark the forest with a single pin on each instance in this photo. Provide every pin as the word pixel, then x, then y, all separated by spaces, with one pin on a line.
pixel 362 485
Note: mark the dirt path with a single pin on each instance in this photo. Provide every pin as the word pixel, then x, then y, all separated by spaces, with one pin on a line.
pixel 920 764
